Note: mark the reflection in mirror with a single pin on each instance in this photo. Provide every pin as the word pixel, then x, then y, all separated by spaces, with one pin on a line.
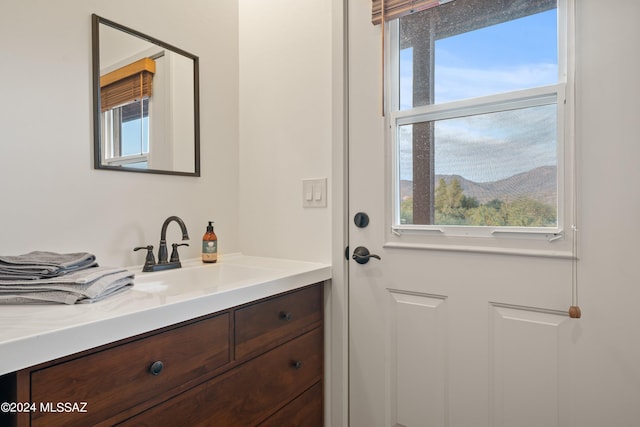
pixel 146 115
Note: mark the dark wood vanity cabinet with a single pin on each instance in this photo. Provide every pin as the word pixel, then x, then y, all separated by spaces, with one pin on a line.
pixel 256 364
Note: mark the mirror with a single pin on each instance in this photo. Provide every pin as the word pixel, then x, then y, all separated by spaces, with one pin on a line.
pixel 145 101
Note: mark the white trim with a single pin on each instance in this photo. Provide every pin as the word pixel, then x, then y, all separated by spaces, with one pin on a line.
pixel 534 97
pixel 545 233
pixel 152 51
pixel 337 298
pixel 125 160
pixel 541 253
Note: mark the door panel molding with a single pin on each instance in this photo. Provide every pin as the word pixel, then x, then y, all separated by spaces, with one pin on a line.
pixel 529 355
pixel 417 360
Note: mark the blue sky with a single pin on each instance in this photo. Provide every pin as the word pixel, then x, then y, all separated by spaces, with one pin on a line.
pixel 515 55
pixel 131 139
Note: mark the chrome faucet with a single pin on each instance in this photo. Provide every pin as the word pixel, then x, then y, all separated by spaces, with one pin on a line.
pixel 163 262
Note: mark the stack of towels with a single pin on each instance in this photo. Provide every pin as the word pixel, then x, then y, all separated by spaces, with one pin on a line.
pixel 49 277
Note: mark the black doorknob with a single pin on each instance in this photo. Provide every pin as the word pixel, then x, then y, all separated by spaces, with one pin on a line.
pixel 361 220
pixel 361 255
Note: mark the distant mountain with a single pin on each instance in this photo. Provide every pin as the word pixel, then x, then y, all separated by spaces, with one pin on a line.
pixel 539 184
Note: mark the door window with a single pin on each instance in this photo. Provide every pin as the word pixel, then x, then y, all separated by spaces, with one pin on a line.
pixel 477 117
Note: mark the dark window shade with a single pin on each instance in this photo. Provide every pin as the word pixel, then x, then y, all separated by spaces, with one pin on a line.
pixel 132 111
pixel 463 14
pixel 396 8
pixel 127 90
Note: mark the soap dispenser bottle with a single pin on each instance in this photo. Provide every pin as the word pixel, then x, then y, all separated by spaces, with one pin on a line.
pixel 210 245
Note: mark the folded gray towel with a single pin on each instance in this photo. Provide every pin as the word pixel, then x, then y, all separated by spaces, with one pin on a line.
pixel 42 264
pixel 82 286
pixel 62 297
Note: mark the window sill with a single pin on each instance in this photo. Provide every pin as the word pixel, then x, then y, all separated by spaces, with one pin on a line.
pixel 540 253
pixel 542 243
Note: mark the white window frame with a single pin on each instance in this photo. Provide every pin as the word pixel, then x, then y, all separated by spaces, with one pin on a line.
pixel 560 93
pixel 111 136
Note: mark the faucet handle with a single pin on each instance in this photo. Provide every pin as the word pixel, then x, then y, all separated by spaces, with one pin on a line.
pixel 174 252
pixel 150 260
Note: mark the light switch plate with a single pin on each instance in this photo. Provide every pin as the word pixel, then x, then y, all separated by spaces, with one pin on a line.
pixel 314 193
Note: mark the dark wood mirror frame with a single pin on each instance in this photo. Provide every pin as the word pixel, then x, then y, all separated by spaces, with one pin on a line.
pixel 97 119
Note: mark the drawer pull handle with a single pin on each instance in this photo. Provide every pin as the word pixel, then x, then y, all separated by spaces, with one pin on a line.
pixel 286 316
pixel 156 367
pixel 297 364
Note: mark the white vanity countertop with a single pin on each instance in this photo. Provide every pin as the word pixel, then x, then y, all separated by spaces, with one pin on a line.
pixel 32 334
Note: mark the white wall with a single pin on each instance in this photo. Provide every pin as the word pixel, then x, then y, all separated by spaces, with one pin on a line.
pixel 285 126
pixel 52 198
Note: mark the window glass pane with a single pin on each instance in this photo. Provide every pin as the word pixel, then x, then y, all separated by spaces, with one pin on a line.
pixel 454 52
pixel 135 136
pixel 406 78
pixel 496 169
pixel 510 56
pixel 135 128
pixel 138 165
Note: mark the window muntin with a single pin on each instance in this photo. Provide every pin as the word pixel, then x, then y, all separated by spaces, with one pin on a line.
pixel 476 104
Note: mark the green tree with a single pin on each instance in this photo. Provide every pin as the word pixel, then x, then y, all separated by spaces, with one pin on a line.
pixel 406 211
pixel 450 204
pixel 469 202
pixel 495 204
pixel 440 201
pixel 448 200
pixel 526 212
pixel 485 215
pixel 453 207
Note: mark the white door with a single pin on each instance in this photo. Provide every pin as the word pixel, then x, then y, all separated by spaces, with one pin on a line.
pixel 443 335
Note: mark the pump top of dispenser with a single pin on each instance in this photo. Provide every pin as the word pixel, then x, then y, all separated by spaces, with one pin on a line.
pixel 210 227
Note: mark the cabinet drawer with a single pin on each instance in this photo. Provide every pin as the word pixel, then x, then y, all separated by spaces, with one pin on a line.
pixel 264 324
pixel 305 411
pixel 248 394
pixel 113 380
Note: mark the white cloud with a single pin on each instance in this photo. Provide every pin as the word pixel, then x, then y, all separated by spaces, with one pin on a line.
pixel 462 83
